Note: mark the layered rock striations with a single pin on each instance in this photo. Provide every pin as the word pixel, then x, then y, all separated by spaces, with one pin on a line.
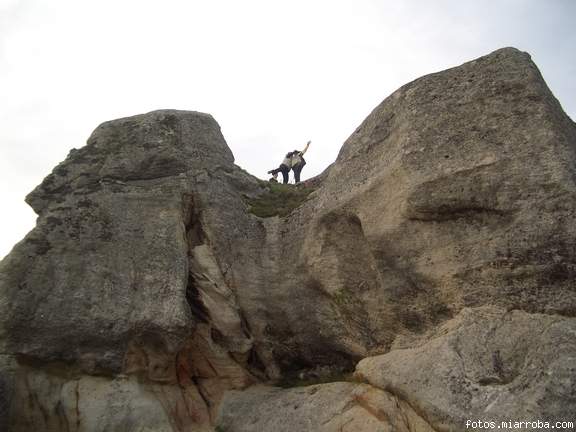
pixel 435 258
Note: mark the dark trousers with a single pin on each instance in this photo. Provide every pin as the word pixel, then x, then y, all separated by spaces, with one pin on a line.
pixel 297 169
pixel 284 169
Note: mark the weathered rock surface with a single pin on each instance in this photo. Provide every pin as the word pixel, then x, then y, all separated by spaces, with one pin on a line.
pixel 49 402
pixel 457 191
pixel 444 230
pixel 460 189
pixel 340 406
pixel 485 364
pixel 117 277
pixel 111 240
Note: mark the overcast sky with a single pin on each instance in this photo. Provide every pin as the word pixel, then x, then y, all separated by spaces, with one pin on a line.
pixel 273 74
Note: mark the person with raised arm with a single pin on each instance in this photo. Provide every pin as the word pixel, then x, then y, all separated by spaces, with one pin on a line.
pixel 298 162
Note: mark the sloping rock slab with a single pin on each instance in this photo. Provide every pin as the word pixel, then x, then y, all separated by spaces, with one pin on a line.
pixel 334 407
pixel 486 364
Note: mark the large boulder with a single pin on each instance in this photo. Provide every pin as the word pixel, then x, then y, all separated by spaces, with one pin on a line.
pixel 120 275
pixel 108 259
pixel 456 191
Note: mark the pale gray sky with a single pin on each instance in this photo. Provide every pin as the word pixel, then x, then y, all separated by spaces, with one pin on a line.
pixel 273 74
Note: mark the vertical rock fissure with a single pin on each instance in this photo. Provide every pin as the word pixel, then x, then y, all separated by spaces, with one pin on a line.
pixel 194 237
pixel 197 307
pixel 211 360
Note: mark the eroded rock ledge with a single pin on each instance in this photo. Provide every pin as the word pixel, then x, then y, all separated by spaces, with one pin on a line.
pixel 436 257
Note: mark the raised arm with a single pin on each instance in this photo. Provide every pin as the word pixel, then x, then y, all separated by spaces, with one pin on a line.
pixel 306 148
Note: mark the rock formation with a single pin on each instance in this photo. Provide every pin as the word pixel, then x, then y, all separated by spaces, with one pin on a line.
pixel 435 258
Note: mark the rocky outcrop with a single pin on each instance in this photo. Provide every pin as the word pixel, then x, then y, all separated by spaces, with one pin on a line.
pixel 117 279
pixel 436 251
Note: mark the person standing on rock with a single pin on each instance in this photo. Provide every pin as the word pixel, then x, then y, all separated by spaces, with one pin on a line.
pixel 298 162
pixel 284 168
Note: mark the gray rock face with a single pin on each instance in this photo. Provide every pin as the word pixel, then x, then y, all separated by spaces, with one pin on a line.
pixel 457 191
pixel 148 279
pixel 108 260
pixel 463 185
pixel 117 277
pixel 486 364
